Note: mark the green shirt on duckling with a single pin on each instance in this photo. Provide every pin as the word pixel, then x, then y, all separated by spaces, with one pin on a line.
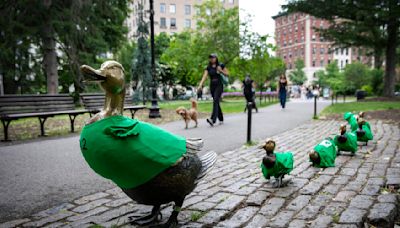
pixel 327 153
pixel 368 133
pixel 350 144
pixel 283 165
pixel 351 119
pixel 129 152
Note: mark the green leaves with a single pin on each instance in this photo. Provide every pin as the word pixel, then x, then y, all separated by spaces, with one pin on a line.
pixel 297 76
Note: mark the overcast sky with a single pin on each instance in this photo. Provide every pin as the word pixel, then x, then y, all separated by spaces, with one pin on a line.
pixel 262 11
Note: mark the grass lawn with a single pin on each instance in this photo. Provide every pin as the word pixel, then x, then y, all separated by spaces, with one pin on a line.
pixel 359 106
pixel 228 105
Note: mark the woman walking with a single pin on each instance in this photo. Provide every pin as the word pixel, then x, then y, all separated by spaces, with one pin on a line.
pixel 214 71
pixel 249 92
pixel 282 88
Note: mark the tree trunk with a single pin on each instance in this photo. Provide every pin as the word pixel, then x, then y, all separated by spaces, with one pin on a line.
pixel 50 63
pixel 378 58
pixel 390 70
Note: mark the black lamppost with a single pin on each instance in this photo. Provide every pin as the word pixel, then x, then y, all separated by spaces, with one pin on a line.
pixel 154 109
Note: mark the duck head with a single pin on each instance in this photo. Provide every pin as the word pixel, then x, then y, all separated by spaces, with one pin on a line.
pixel 314 157
pixel 360 122
pixel 361 114
pixel 269 146
pixel 342 137
pixel 112 79
pixel 110 75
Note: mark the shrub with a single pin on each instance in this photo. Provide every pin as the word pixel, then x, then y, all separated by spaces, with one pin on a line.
pixel 377 81
pixel 368 89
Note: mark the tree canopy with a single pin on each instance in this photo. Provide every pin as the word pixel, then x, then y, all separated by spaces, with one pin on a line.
pixel 369 24
pixel 48 40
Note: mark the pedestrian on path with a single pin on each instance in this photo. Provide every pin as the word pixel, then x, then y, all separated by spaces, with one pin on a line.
pixel 216 72
pixel 249 92
pixel 282 89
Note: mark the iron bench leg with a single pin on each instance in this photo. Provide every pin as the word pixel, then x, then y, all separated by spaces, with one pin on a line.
pixel 72 121
pixel 6 123
pixel 42 120
pixel 133 112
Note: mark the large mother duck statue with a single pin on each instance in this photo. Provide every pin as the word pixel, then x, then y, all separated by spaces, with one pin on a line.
pixel 151 165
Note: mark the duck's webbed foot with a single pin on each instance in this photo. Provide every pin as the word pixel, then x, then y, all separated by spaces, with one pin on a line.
pixel 148 219
pixel 173 219
pixel 278 182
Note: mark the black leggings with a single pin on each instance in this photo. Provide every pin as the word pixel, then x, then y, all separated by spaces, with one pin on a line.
pixel 216 93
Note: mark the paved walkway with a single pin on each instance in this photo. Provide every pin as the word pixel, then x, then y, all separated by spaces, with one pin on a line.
pixel 41 174
pixel 358 191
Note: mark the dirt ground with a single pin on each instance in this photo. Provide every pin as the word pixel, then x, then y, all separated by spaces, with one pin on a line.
pixel 388 116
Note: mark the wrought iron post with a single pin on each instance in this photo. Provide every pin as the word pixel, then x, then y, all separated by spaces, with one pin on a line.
pixel 315 106
pixel 249 111
pixel 154 109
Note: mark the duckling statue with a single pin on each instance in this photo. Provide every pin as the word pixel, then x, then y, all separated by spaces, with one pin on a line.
pixel 351 120
pixel 324 154
pixel 364 132
pixel 149 164
pixel 346 141
pixel 276 164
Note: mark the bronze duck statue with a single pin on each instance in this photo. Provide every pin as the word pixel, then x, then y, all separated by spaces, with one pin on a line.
pixel 364 132
pixel 150 165
pixel 276 164
pixel 346 141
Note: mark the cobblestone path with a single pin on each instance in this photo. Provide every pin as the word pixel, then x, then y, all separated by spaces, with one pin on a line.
pixel 360 190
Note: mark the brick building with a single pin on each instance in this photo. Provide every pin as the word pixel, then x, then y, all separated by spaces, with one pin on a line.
pixel 170 16
pixel 296 38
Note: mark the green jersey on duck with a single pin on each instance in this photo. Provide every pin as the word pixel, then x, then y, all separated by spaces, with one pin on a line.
pixel 346 141
pixel 276 164
pixel 324 154
pixel 351 120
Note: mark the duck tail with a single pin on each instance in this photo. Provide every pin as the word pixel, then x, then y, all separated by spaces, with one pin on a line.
pixel 194 145
pixel 207 162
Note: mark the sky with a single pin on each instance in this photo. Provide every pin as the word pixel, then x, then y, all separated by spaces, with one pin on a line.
pixel 262 11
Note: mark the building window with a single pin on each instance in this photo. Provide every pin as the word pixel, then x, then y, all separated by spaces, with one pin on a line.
pixel 347 51
pixel 313 38
pixel 172 8
pixel 329 61
pixel 313 63
pixel 163 22
pixel 173 23
pixel 341 63
pixel 347 61
pixel 188 23
pixel 321 63
pixel 314 50
pixel 341 51
pixel 322 51
pixel 162 8
pixel 188 10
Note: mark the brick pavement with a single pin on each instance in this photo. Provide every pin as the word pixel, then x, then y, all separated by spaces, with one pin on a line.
pixel 360 190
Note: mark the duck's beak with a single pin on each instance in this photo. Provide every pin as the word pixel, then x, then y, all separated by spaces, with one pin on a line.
pixel 91 74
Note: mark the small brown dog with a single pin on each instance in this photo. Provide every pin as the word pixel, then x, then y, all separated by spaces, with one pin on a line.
pixel 190 114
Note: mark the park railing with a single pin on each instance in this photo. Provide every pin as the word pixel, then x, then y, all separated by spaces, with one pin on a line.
pixel 271 96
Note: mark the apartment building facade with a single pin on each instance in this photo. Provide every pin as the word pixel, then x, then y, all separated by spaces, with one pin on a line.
pixel 296 38
pixel 170 16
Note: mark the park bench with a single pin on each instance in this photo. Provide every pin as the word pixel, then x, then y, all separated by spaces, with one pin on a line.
pixel 13 107
pixel 94 102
